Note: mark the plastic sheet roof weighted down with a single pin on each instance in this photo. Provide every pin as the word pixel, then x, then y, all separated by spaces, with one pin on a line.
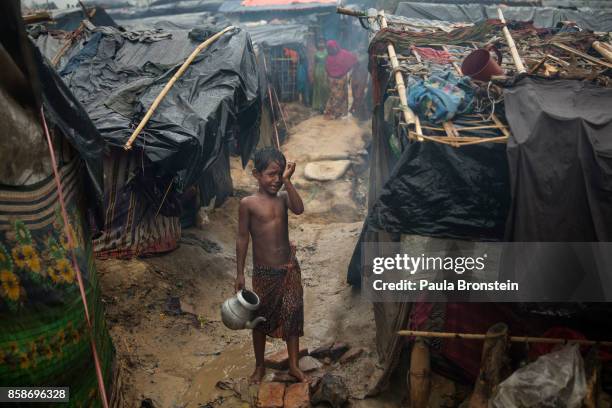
pixel 118 79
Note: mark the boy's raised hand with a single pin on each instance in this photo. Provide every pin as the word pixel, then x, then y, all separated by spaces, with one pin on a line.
pixel 289 170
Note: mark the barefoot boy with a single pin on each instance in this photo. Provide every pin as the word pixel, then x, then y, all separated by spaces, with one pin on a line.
pixel 276 272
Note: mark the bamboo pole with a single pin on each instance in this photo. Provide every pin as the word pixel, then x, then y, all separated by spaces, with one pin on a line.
pixel 492 362
pixel 409 116
pixel 350 12
pixel 514 339
pixel 271 102
pixel 583 55
pixel 177 75
pixel 515 55
pixel 604 49
pixel 419 375
pixel 37 17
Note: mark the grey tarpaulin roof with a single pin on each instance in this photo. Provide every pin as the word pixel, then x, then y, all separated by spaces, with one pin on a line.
pixel 177 7
pixel 278 34
pixel 185 21
pixel 587 18
pixel 235 6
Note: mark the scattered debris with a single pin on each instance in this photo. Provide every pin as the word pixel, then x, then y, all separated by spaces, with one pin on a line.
pixel 351 355
pixel 308 364
pixel 173 306
pixel 330 351
pixel 280 360
pixel 331 390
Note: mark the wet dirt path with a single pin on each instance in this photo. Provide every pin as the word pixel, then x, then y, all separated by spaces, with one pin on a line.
pixel 176 359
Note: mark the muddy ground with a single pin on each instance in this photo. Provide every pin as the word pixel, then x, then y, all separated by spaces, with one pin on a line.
pixel 164 312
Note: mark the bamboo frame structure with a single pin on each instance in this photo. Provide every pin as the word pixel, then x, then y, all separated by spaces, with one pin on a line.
pixel 514 339
pixel 409 116
pixel 175 77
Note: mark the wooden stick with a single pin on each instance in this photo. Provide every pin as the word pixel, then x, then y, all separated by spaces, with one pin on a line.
pixel 604 49
pixel 537 66
pixel 559 60
pixel 515 55
pixel 455 65
pixel 177 75
pixel 515 339
pixel 37 17
pixel 492 362
pixel 419 380
pixel 409 116
pixel 351 12
pixel 280 108
pixel 499 123
pixel 271 103
pixel 583 55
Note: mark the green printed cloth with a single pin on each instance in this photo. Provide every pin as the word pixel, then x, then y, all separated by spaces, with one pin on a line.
pixel 44 339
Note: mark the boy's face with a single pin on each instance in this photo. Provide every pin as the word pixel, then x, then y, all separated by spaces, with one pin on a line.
pixel 271 179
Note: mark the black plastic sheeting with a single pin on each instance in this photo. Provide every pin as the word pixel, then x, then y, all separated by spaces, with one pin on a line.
pixel 441 191
pixel 560 156
pixel 70 19
pixel 544 17
pixel 216 99
pixel 65 112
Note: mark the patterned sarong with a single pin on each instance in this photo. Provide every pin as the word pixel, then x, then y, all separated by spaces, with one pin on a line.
pixel 337 104
pixel 281 295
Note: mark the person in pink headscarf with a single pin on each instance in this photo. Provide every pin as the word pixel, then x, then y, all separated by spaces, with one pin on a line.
pixel 338 65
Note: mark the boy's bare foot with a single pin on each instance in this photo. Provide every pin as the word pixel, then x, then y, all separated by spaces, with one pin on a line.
pixel 298 374
pixel 257 375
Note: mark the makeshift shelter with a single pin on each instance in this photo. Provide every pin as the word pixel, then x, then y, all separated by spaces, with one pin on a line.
pixel 211 110
pixel 481 161
pixel 51 312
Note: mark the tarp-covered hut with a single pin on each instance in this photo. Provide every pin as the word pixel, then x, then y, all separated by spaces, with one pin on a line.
pixel 212 110
pixel 535 146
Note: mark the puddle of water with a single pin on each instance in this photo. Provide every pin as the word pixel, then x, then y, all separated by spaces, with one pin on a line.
pixel 233 362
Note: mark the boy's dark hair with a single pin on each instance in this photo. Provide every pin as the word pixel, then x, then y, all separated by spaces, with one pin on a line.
pixel 263 158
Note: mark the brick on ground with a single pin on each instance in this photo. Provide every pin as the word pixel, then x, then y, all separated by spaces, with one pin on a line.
pixel 297 396
pixel 271 395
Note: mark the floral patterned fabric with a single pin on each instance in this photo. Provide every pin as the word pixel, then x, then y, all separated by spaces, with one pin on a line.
pixel 43 334
pixel 281 298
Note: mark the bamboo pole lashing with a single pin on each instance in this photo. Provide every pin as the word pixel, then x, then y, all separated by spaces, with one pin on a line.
pixel 514 339
pixel 409 116
pixel 520 67
pixel 175 77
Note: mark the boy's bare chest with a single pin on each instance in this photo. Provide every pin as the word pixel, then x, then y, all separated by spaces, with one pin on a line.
pixel 272 212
